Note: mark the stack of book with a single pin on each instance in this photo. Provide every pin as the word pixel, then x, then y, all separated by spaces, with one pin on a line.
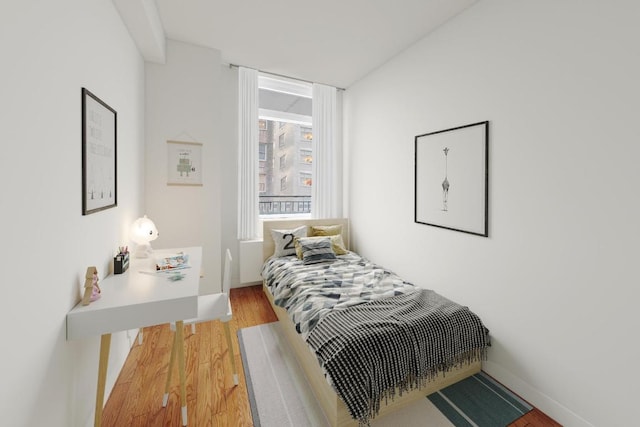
pixel 172 262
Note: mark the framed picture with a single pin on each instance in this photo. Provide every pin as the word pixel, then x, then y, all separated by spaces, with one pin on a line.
pixel 185 163
pixel 451 178
pixel 99 154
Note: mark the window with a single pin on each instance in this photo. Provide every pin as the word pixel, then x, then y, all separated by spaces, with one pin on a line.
pixel 306 156
pixel 262 185
pixel 306 134
pixel 305 179
pixel 262 155
pixel 286 138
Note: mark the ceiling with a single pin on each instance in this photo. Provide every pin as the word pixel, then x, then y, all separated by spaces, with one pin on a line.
pixel 335 42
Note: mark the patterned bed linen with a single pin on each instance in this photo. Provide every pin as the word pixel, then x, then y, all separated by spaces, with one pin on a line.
pixel 435 334
pixel 310 292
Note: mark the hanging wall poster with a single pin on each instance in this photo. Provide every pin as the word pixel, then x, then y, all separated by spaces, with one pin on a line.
pixel 99 155
pixel 185 163
pixel 451 178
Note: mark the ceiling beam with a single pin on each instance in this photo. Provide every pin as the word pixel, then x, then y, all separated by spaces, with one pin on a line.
pixel 142 19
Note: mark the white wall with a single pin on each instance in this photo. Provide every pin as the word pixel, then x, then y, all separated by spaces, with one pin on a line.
pixel 50 50
pixel 183 104
pixel 193 97
pixel 556 281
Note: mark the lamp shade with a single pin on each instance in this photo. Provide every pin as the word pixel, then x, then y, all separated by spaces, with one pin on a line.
pixel 142 232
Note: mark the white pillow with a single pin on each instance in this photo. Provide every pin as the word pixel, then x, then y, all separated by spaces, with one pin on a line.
pixel 285 240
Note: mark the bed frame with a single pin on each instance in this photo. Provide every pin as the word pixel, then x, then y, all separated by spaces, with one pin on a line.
pixel 334 409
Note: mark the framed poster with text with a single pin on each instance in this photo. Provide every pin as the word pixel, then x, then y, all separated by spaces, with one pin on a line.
pixel 99 154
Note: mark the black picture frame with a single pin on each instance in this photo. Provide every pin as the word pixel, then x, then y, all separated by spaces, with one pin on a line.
pixel 99 154
pixel 452 179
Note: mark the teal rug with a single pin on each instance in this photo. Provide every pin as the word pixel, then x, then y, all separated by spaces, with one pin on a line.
pixel 279 395
pixel 479 401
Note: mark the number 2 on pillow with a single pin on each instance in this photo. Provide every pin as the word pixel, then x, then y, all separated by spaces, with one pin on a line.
pixel 289 244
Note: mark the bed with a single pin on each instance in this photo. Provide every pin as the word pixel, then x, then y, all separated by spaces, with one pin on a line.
pixel 315 328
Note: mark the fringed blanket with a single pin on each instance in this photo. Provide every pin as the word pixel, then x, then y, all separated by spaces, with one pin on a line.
pixel 374 350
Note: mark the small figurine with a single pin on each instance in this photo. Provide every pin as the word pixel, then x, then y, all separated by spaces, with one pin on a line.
pixel 95 289
pixel 91 288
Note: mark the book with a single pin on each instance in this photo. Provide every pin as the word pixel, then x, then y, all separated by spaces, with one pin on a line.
pixel 172 262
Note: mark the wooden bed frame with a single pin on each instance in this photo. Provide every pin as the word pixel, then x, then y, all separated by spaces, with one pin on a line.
pixel 334 409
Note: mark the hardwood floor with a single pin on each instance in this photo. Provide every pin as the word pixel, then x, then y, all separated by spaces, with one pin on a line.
pixel 534 418
pixel 212 399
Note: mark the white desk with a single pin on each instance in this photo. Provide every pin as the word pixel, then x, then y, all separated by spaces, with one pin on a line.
pixel 138 298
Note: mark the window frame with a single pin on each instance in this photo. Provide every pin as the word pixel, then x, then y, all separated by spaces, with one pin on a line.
pixel 281 148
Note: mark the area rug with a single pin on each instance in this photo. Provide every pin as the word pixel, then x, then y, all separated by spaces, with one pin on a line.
pixel 280 396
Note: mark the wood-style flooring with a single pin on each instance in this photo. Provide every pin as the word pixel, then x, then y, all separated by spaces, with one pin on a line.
pixel 212 399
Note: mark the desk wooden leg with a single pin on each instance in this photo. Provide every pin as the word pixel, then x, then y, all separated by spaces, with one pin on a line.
pixel 179 343
pixel 172 359
pixel 231 355
pixel 105 346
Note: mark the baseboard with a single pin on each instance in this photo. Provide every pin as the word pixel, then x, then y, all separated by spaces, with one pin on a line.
pixel 246 285
pixel 546 404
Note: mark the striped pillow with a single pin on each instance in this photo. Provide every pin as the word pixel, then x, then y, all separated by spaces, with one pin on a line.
pixel 336 243
pixel 316 250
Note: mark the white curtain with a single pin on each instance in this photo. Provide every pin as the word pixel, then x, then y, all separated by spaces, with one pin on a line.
pixel 325 201
pixel 248 210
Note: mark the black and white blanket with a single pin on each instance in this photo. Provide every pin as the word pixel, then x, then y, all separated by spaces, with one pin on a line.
pixel 374 350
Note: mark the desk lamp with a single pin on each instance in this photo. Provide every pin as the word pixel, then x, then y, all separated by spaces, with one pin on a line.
pixel 143 231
